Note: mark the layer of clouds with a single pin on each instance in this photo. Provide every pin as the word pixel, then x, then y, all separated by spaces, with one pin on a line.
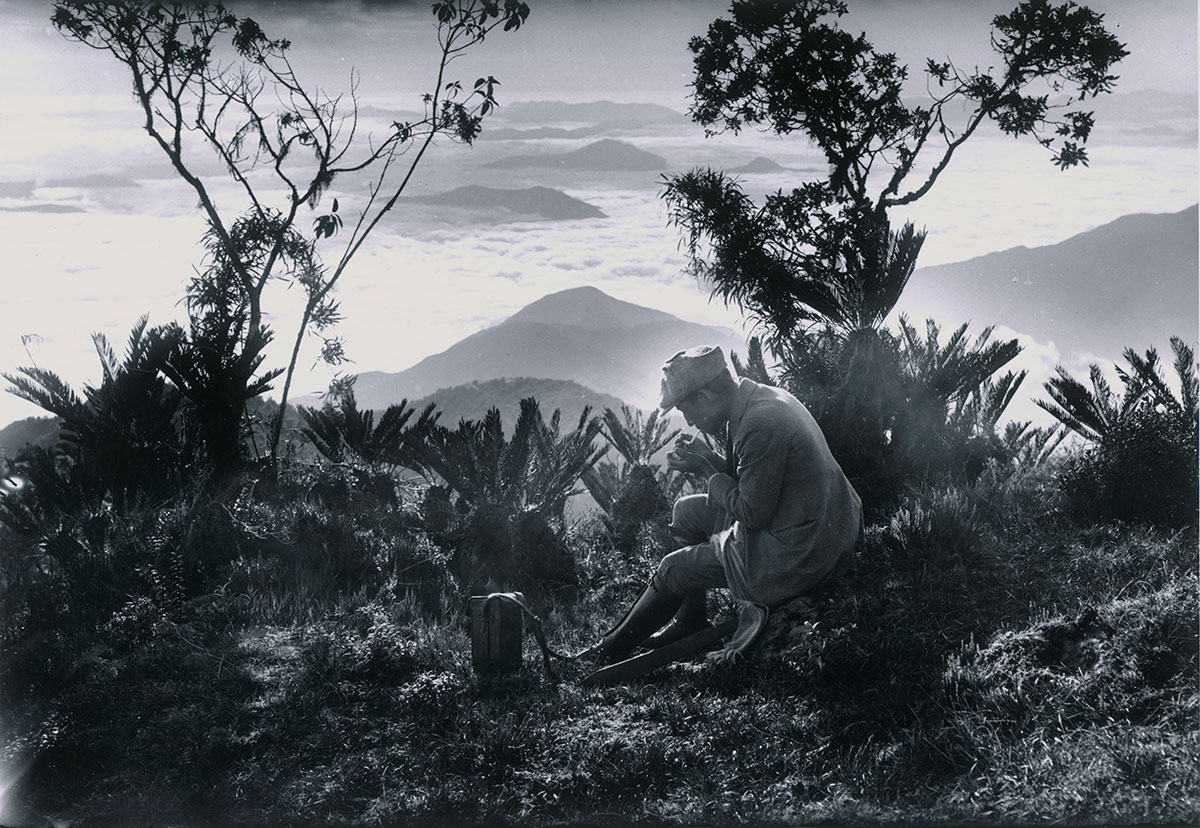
pixel 416 288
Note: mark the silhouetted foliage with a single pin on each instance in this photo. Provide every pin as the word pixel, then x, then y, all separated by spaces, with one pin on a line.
pixel 341 431
pixel 1141 463
pixel 901 411
pixel 127 436
pixel 499 498
pixel 824 252
pixel 635 490
pixel 820 265
pixel 209 82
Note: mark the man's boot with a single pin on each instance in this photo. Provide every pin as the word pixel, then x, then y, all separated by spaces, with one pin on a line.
pixel 653 608
pixel 691 617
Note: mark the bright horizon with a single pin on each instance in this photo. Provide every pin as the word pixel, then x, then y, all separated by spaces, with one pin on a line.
pixel 414 292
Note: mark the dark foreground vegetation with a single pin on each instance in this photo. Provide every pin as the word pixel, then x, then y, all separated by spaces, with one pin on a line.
pixel 212 614
pixel 291 647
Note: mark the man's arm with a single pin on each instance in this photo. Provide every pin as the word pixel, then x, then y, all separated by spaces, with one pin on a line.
pixel 693 456
pixel 753 497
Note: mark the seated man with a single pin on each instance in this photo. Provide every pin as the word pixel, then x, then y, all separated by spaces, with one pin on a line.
pixel 779 516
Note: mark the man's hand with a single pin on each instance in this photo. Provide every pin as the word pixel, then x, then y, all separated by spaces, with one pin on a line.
pixel 692 455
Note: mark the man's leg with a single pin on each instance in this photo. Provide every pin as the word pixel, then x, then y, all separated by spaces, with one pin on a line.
pixel 689 570
pixel 692 522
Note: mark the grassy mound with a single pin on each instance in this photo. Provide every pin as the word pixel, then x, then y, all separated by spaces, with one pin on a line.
pixel 987 662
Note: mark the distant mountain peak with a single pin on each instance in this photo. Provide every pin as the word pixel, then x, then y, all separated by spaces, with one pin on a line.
pixel 759 164
pixel 533 201
pixel 581 335
pixel 607 154
pixel 587 307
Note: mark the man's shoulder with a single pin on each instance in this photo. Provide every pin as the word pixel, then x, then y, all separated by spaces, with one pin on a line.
pixel 765 398
pixel 768 406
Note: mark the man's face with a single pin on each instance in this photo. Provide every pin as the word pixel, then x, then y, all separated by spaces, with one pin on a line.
pixel 702 410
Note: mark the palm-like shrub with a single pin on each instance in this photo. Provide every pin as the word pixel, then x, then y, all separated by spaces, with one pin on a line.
pixel 346 435
pixel 1140 463
pixel 902 410
pixel 128 434
pixel 952 404
pixel 499 500
pixel 561 460
pixel 635 490
pixel 755 365
pixel 1028 446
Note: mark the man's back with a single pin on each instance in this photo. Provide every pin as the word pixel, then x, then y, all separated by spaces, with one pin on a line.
pixel 798 515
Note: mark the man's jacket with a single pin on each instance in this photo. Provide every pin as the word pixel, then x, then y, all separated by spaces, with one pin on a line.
pixel 798 519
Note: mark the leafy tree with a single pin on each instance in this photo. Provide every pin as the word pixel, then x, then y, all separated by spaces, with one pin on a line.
pixel 825 252
pixel 560 460
pixel 211 84
pixel 755 365
pixel 820 266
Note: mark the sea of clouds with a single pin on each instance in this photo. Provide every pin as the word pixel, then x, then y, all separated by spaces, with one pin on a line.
pixel 426 280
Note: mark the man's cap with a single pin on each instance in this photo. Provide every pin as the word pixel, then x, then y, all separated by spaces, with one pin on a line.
pixel 689 371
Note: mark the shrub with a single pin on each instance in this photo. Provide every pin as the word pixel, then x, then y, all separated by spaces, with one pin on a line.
pixel 938 529
pixel 1142 462
pixel 1143 470
pixel 500 501
pixel 637 490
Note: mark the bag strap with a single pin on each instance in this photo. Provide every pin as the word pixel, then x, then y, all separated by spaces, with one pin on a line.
pixel 535 624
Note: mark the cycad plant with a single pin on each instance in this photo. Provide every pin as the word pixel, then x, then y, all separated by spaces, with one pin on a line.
pixel 634 490
pixel 561 460
pixel 128 434
pixel 979 412
pixel 345 433
pixel 1028 446
pixel 755 365
pixel 499 500
pixel 1094 412
pixel 941 381
pixel 1140 458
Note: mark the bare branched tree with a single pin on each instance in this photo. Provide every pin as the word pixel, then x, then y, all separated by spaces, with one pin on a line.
pixel 208 82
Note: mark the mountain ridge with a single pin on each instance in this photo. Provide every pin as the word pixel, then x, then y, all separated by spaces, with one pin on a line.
pixel 472 401
pixel 1129 283
pixel 618 350
pixel 545 202
pixel 605 155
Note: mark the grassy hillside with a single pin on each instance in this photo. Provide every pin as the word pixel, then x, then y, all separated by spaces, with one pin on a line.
pixel 1040 672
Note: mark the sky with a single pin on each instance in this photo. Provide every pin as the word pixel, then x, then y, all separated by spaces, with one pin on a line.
pixel 422 283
